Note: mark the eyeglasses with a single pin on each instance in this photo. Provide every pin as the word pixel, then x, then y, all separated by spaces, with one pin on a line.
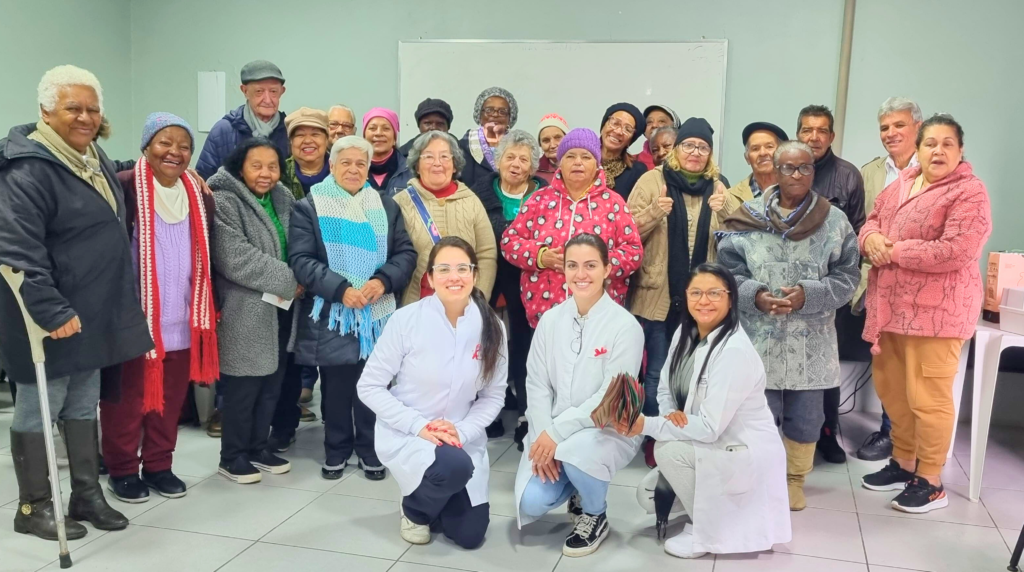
pixel 806 169
pixel 461 270
pixel 499 111
pixel 619 125
pixel 345 126
pixel 577 328
pixel 443 159
pixel 715 294
pixel 689 148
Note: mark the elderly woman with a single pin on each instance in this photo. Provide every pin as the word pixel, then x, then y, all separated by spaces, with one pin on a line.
pixel 795 259
pixel 341 122
pixel 170 243
pixel 389 172
pixel 503 194
pixel 255 287
pixel 678 207
pixel 436 205
pixel 308 133
pixel 656 117
pixel 61 223
pixel 621 126
pixel 550 132
pixel 662 141
pixel 924 238
pixel 495 111
pixel 349 249
pixel 577 201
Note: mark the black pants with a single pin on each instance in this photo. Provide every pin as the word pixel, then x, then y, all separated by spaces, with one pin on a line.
pixel 852 347
pixel 287 412
pixel 442 496
pixel 520 334
pixel 349 422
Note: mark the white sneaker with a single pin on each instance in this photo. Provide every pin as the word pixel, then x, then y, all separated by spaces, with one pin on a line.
pixel 414 533
pixel 681 545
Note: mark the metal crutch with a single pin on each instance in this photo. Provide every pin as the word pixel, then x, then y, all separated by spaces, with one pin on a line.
pixel 36 335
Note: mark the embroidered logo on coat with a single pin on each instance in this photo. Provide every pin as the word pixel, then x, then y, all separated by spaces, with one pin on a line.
pixel 600 351
pixel 476 352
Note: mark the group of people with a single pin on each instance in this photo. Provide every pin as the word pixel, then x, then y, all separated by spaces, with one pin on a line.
pixel 299 250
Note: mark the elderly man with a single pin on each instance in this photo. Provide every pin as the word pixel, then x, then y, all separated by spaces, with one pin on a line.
pixel 61 222
pixel 899 120
pixel 840 182
pixel 341 122
pixel 431 115
pixel 760 140
pixel 263 86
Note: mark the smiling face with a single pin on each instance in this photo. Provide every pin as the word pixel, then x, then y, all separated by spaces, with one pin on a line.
pixel 693 161
pixel 579 168
pixel 341 123
pixel 169 153
pixel 618 131
pixel 585 272
pixel 264 97
pixel 261 170
pixel 661 146
pixel 898 131
pixel 655 119
pixel 705 312
pixel 76 117
pixel 549 139
pixel 761 148
pixel 351 168
pixel 450 285
pixel 940 152
pixel 309 144
pixel 515 165
pixel 495 110
pixel 817 134
pixel 436 166
pixel 381 135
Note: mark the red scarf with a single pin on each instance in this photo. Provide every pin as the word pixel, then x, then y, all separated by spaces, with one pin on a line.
pixel 205 365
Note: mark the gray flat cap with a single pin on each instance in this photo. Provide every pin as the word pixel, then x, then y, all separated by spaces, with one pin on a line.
pixel 261 69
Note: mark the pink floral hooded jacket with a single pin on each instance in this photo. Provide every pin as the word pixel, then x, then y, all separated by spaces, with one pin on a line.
pixel 933 286
pixel 549 218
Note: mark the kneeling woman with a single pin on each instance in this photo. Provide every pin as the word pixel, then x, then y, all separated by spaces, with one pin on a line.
pixel 717 444
pixel 578 347
pixel 448 356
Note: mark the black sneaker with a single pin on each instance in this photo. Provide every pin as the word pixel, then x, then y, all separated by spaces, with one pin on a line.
pixel 332 474
pixel 270 463
pixel 279 444
pixel 496 429
pixel 128 489
pixel 240 470
pixel 166 483
pixel 829 447
pixel 892 477
pixel 920 497
pixel 574 508
pixel 522 430
pixel 588 534
pixel 373 471
pixel 878 446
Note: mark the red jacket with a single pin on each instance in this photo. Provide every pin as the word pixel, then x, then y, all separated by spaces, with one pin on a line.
pixel 933 286
pixel 550 218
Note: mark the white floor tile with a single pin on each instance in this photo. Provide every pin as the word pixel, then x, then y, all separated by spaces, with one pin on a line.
pixel 305 473
pixel 196 454
pixel 155 550
pixel 1006 506
pixel 932 546
pixel 627 553
pixel 823 533
pixel 508 462
pixel 5 451
pixel 780 562
pixel 410 567
pixel 365 527
pixel 633 473
pixel 501 494
pixel 821 465
pixel 263 557
pixel 1010 536
pixel 355 484
pixel 310 436
pixel 220 507
pixel 825 489
pixel 537 547
pixel 23 552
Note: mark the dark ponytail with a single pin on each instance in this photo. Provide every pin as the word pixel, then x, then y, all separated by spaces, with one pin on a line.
pixel 491 333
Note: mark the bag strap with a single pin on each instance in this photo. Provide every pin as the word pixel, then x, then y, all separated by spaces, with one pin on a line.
pixel 425 218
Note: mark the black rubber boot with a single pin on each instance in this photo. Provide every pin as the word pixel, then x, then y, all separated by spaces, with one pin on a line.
pixel 35 510
pixel 87 500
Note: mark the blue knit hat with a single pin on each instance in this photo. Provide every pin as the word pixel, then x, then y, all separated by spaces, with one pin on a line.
pixel 160 120
pixel 580 138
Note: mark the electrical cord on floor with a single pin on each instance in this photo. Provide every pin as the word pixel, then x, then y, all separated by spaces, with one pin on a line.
pixel 857 386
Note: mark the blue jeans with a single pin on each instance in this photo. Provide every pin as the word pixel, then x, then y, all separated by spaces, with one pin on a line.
pixel 886 423
pixel 656 342
pixel 309 376
pixel 540 498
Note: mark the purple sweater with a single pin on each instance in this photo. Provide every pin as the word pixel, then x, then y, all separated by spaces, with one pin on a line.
pixel 174 271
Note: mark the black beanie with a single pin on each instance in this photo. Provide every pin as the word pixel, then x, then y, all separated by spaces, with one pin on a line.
pixel 638 118
pixel 429 105
pixel 696 127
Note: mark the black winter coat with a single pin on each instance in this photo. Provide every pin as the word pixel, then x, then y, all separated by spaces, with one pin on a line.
pixel 315 344
pixel 474 171
pixel 77 260
pixel 625 182
pixel 840 182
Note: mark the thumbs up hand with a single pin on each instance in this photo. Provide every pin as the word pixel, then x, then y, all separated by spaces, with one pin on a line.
pixel 717 199
pixel 664 201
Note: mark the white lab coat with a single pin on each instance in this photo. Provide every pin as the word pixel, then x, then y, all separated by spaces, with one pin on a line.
pixel 741 503
pixel 563 388
pixel 436 369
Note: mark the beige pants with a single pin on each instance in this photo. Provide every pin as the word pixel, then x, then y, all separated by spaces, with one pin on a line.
pixel 914 379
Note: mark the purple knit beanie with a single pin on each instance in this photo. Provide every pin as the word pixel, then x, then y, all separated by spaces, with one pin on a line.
pixel 580 138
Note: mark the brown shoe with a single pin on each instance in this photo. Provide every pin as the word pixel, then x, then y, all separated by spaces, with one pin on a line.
pixel 306 415
pixel 213 428
pixel 306 396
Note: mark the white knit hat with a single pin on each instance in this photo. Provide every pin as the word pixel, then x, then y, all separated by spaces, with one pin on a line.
pixel 553 120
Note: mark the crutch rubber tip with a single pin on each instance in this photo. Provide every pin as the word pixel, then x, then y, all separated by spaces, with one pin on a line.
pixel 65 561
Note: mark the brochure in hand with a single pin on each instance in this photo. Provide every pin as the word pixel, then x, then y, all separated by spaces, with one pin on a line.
pixel 623 401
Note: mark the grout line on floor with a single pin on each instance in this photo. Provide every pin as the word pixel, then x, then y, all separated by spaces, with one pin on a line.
pixel 240 552
pixel 860 526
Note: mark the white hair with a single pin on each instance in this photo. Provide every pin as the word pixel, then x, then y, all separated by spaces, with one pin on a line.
pixel 61 77
pixel 894 104
pixel 343 107
pixel 787 146
pixel 351 142
pixel 520 138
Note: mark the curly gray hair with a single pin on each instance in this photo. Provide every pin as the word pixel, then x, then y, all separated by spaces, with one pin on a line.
pixel 61 77
pixel 520 138
pixel 421 142
pixel 351 142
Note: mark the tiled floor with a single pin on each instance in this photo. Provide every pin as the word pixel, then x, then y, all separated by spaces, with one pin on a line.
pixel 300 522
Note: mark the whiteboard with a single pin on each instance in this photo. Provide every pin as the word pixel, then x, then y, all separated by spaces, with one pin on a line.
pixel 577 80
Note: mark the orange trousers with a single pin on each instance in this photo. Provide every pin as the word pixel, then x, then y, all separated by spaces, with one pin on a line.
pixel 914 379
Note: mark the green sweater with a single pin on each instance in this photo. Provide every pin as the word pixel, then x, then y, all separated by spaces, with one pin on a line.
pixel 510 205
pixel 268 206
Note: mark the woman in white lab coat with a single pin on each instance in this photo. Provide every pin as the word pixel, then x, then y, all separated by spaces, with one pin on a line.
pixel 717 443
pixel 578 347
pixel 447 354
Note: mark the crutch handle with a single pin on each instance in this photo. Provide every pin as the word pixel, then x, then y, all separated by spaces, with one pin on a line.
pixel 36 335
